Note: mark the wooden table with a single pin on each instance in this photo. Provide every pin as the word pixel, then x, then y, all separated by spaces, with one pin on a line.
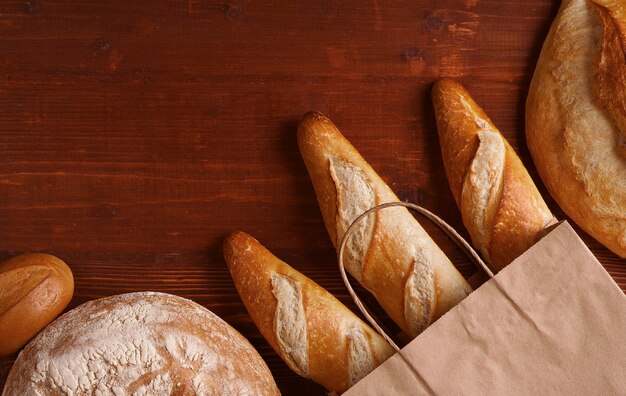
pixel 134 137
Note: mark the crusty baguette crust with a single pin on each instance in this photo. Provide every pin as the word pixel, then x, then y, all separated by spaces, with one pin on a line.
pixel 406 271
pixel 34 289
pixel 330 326
pixel 518 214
pixel 571 131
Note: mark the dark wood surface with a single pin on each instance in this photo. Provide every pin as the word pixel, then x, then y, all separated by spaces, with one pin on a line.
pixel 135 135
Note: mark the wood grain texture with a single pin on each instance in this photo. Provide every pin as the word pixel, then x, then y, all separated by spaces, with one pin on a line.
pixel 134 136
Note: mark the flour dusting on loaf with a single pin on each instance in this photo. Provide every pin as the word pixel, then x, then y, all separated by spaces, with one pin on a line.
pixel 139 344
pixel 290 323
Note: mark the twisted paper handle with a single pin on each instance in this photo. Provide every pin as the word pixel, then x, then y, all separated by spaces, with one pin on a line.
pixel 452 234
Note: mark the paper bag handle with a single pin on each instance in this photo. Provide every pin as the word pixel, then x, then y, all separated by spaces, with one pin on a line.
pixel 450 232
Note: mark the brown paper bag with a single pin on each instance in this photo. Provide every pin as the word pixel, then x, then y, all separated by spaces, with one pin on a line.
pixel 552 322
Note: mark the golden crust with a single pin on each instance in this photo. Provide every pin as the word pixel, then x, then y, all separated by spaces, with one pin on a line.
pixel 521 216
pixel 396 235
pixel 34 289
pixel 316 130
pixel 610 69
pixel 515 217
pixel 328 320
pixel 458 145
pixel 575 143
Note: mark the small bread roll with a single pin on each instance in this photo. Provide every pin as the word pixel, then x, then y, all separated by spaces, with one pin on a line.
pixel 576 117
pixel 500 205
pixel 315 334
pixel 390 254
pixel 34 289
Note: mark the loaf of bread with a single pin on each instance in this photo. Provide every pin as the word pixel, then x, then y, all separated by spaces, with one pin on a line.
pixel 499 203
pixel 139 344
pixel 315 334
pixel 34 289
pixel 576 117
pixel 390 254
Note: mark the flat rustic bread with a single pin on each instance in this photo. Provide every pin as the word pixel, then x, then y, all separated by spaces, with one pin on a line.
pixel 140 344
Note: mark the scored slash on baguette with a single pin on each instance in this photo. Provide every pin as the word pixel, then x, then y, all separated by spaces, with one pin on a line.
pixel 500 205
pixel 315 334
pixel 390 254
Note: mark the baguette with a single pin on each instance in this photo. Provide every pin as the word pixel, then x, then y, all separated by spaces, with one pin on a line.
pixel 576 117
pixel 317 336
pixel 34 289
pixel 500 205
pixel 390 254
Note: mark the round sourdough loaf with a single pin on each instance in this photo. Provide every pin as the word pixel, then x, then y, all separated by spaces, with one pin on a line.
pixel 140 344
pixel 576 117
